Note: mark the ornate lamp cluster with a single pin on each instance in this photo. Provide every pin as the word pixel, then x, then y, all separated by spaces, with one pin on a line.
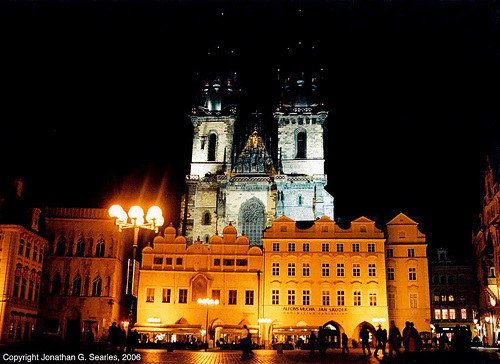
pixel 154 218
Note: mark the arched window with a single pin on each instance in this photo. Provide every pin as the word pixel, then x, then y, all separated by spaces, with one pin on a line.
pixel 252 219
pixel 66 285
pixel 300 200
pixel 206 218
pixel 96 286
pixel 99 248
pixel 56 284
pixel 61 246
pixel 301 144
pixel 212 145
pixel 86 285
pixel 77 285
pixel 80 247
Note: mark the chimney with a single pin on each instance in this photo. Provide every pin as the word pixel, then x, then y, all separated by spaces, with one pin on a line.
pixel 18 185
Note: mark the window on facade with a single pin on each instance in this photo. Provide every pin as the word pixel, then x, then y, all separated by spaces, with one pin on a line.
pixel 150 294
pixel 437 314
pixel 248 297
pixel 356 270
pixel 362 229
pixel 300 200
pixel 216 294
pixel 77 285
pixel 306 297
pixel 305 270
pixel 340 270
pixel 35 252
pixel 445 314
pixel 37 291
pixel 233 297
pixel 183 295
pixel 325 298
pixel 356 295
pixel 450 280
pixel 283 229
pixel 435 279
pixel 442 279
pixel 23 288
pixel 66 285
pixel 100 248
pixel 402 234
pixel 30 290
pixel 301 144
pixel 241 262
pixel 391 300
pixel 324 229
pixel 389 253
pixel 15 290
pixel 305 247
pixel 178 261
pixel 340 298
pixel 411 252
pixel 275 297
pixel 452 314
pixel 390 274
pixel 436 297
pixel 372 299
pixel 413 300
pixel 252 220
pixel 463 313
pixel 206 218
pixel 355 247
pixel 325 270
pixel 80 248
pixel 291 297
pixel 28 250
pixel 325 247
pixel 217 262
pixel 20 251
pixel 96 286
pixel 291 269
pixel 340 247
pixel 276 269
pixel 165 295
pixel 412 274
pixel 291 246
pixel 372 270
pixel 451 297
pixel 228 262
pixel 212 147
pixel 371 247
pixel 56 284
pixel 40 256
pixel 158 260
pixel 60 246
pixel 276 247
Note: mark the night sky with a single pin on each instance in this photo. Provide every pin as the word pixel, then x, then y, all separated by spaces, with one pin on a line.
pixel 96 98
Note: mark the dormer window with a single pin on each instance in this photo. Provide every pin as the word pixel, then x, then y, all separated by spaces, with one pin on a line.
pixel 402 234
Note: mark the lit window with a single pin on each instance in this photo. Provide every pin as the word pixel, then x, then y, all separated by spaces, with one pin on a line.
pixel 356 270
pixel 305 269
pixel 413 300
pixel 150 294
pixel 166 292
pixel 463 313
pixel 216 294
pixel 452 314
pixel 291 297
pixel 437 314
pixel 340 298
pixel 445 314
pixel 451 298
pixel 183 294
pixel 276 269
pixel 356 298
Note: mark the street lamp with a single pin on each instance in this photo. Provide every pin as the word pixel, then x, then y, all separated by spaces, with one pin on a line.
pixel 207 302
pixel 154 220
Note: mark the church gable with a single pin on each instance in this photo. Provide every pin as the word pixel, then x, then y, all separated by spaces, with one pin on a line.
pixel 254 157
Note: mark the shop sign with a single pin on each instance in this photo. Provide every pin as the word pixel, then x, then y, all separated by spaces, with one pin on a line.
pixel 315 310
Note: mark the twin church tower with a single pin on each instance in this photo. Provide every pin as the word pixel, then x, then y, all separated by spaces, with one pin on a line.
pixel 250 185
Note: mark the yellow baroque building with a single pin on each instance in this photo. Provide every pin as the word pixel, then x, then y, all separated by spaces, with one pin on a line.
pixel 307 275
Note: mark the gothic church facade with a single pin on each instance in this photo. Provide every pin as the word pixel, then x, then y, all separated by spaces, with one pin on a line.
pixel 249 188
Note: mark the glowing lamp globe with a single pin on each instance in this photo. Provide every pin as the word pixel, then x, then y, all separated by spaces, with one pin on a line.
pixel 115 211
pixel 154 214
pixel 136 212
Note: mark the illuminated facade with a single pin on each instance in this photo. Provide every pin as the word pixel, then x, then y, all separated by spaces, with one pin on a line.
pixel 84 274
pixel 309 276
pixel 486 243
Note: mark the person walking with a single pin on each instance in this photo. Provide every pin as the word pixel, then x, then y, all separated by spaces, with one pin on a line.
pixel 364 336
pixel 394 339
pixel 321 340
pixel 312 342
pixel 379 335
pixel 246 342
pixel 345 344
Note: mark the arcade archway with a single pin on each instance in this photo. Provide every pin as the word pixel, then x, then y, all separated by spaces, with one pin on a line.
pixel 371 330
pixel 332 334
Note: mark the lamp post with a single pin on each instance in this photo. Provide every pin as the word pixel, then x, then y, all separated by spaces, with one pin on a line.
pixel 207 302
pixel 154 220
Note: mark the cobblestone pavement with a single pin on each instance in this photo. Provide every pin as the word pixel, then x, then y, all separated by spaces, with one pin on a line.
pixel 302 356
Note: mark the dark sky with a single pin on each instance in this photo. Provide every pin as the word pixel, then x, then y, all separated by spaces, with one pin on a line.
pixel 96 98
